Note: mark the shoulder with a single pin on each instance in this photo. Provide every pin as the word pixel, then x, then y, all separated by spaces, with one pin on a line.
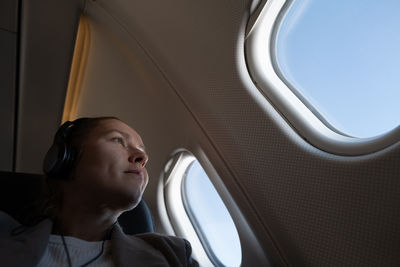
pixel 7 223
pixel 173 248
pixel 172 241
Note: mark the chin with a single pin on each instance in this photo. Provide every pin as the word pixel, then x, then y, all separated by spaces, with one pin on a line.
pixel 129 200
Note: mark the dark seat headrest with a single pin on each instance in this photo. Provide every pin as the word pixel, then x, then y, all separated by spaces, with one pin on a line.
pixel 138 220
pixel 19 192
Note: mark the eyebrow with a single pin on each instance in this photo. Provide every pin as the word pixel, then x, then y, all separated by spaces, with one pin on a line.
pixel 126 135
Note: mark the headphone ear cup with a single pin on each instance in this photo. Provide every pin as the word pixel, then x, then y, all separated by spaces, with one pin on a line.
pixel 59 159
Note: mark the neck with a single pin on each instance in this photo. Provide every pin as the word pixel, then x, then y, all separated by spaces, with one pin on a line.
pixel 84 224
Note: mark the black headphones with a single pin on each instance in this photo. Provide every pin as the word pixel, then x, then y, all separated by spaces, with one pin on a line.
pixel 61 155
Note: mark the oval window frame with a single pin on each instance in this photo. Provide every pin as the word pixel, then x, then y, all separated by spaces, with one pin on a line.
pixel 259 49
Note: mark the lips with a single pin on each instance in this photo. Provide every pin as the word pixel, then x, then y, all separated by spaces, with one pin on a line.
pixel 138 172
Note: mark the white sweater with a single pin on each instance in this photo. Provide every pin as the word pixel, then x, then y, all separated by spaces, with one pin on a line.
pixel 80 251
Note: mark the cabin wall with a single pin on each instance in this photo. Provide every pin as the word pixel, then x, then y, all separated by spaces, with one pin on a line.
pixel 36 44
pixel 47 42
pixel 8 79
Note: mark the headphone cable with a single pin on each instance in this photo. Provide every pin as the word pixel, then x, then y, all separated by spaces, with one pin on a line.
pixel 106 236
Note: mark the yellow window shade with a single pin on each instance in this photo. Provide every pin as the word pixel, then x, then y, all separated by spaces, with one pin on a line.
pixel 77 69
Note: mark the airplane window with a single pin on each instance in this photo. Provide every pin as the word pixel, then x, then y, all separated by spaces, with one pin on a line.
pixel 210 217
pixel 341 58
pixel 197 213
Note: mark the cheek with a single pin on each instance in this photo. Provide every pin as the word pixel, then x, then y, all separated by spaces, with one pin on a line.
pixel 97 164
pixel 101 156
pixel 146 180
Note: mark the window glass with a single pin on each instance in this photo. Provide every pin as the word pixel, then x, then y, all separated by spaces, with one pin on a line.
pixel 210 218
pixel 342 57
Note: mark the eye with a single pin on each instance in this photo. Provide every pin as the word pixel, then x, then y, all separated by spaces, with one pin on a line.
pixel 118 140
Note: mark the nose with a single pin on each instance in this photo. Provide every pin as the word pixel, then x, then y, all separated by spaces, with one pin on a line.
pixel 139 158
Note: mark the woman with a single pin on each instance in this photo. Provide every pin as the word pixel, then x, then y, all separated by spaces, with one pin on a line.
pixel 96 169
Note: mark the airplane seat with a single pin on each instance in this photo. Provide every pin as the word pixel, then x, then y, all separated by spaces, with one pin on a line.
pixel 136 221
pixel 20 191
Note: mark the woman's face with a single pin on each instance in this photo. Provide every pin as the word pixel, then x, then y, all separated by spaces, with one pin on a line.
pixel 111 171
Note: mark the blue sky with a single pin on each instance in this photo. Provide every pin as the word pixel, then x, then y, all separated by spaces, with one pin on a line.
pixel 213 217
pixel 343 56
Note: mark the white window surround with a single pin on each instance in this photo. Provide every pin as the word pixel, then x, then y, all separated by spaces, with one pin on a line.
pixel 180 223
pixel 175 220
pixel 259 58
